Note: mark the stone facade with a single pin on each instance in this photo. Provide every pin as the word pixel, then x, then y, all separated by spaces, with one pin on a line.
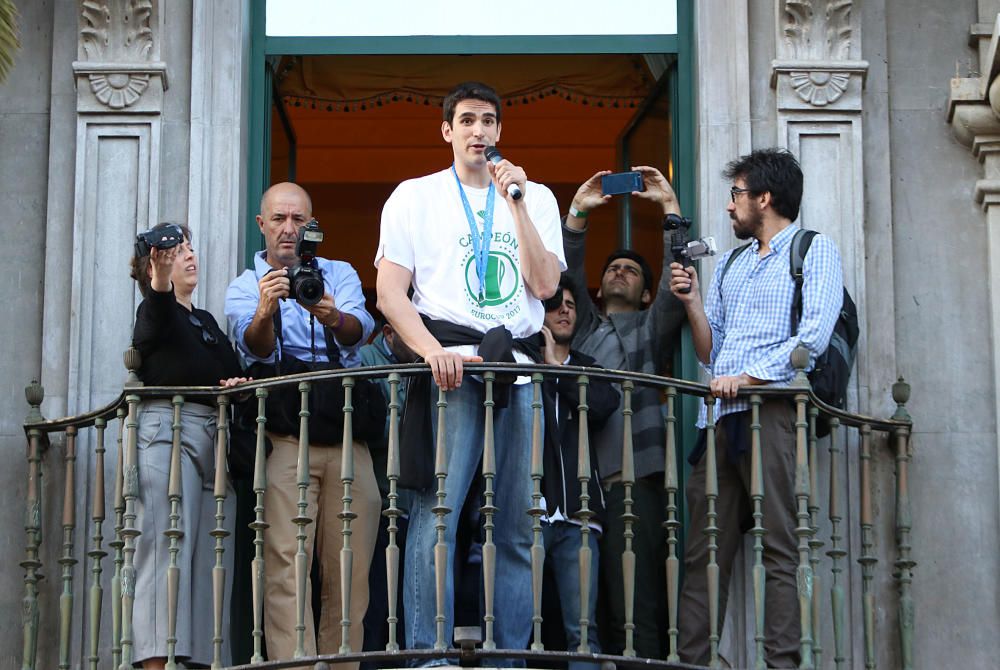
pixel 124 112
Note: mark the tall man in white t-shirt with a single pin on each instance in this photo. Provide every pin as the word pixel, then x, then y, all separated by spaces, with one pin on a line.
pixel 480 262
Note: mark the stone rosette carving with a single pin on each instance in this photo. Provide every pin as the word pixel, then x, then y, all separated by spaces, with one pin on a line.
pixel 819 88
pixel 117 50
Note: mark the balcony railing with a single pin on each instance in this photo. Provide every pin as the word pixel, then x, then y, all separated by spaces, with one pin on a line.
pixel 827 601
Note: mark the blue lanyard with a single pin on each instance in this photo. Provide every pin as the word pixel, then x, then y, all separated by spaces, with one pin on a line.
pixel 480 246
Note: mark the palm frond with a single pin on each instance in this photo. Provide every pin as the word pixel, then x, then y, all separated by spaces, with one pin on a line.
pixel 9 42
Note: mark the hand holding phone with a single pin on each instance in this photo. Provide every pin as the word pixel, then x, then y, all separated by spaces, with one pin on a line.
pixel 622 182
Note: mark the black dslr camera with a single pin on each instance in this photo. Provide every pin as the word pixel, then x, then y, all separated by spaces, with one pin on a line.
pixel 306 279
pixel 165 236
pixel 683 250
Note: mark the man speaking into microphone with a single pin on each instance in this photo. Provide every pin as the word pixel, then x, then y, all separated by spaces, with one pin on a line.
pixel 481 247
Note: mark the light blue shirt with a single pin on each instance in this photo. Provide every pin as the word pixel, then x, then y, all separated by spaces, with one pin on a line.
pixel 750 313
pixel 341 282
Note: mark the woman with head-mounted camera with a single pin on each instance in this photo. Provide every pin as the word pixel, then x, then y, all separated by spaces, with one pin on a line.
pixel 179 345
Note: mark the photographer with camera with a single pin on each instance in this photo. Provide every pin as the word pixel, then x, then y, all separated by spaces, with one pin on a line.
pixel 179 345
pixel 622 335
pixel 293 307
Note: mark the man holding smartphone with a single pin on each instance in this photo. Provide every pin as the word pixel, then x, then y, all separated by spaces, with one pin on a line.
pixel 631 331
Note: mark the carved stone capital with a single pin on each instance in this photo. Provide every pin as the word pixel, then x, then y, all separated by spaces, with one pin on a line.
pixel 817 30
pixel 804 85
pixel 119 67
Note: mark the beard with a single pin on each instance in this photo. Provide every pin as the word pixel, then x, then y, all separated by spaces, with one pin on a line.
pixel 749 227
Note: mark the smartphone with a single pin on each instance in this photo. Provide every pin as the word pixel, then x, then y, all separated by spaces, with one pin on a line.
pixel 621 182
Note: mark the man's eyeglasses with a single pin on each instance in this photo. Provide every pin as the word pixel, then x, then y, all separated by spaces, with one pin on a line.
pixel 207 336
pixel 736 190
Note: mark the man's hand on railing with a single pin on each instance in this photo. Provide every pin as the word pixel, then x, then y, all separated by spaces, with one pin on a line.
pixel 234 381
pixel 727 386
pixel 446 366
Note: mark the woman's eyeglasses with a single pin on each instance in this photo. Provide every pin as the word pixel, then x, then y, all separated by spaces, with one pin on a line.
pixel 207 336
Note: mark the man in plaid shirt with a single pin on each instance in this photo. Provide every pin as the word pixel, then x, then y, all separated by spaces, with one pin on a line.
pixel 743 338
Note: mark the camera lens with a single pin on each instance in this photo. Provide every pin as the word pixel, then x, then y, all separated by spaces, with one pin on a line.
pixel 307 289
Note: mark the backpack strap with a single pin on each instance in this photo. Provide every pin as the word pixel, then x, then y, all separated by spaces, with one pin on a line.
pixel 729 261
pixel 796 259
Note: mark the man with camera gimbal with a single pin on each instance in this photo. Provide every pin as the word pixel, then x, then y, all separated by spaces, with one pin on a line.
pixel 294 305
pixel 622 335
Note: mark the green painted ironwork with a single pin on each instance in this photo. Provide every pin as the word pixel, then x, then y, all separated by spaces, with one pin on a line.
pixel 33 530
pixel 393 513
pixel 904 564
pixel 258 526
pixel 628 481
pixel 67 561
pixel 836 552
pixel 302 520
pixel 220 533
pixel 536 512
pixel 174 533
pixel 804 573
pixel 815 543
pixel 441 511
pixel 712 531
pixel 672 524
pixel 757 493
pixel 97 553
pixel 867 558
pixel 585 514
pixel 488 511
pixel 118 544
pixel 129 532
pixel 347 516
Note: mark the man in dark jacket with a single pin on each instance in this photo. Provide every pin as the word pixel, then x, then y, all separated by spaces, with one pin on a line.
pixel 632 331
pixel 574 512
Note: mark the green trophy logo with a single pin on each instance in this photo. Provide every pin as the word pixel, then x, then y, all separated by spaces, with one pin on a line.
pixel 500 283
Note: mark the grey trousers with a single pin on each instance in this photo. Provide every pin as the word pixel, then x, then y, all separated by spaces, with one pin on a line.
pixel 196 555
pixel 734 507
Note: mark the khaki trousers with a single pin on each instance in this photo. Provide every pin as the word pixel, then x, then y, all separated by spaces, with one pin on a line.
pixel 781 603
pixel 325 503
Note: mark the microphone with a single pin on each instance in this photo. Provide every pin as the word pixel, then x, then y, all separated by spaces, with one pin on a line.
pixel 493 156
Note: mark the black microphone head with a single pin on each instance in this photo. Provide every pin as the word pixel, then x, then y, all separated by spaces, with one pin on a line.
pixel 491 154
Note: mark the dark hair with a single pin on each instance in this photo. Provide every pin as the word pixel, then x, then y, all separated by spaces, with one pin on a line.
pixel 773 171
pixel 647 272
pixel 566 283
pixel 469 90
pixel 139 265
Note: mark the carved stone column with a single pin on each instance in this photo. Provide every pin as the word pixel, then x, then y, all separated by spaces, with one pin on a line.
pixel 819 77
pixel 120 82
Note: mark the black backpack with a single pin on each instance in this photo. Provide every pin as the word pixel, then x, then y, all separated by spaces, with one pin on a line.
pixel 832 372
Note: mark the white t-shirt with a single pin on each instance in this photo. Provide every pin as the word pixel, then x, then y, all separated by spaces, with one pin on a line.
pixel 425 230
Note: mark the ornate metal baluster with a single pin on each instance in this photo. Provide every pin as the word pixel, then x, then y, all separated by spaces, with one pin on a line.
pixel 393 512
pixel 32 530
pixel 118 544
pixel 815 543
pixel 67 561
pixel 583 473
pixel 129 532
pixel 804 574
pixel 259 525
pixel 712 531
pixel 219 532
pixel 904 562
pixel 96 553
pixel 173 532
pixel 536 512
pixel 836 552
pixel 757 497
pixel 440 512
pixel 628 481
pixel 301 521
pixel 346 516
pixel 488 511
pixel 672 524
pixel 867 558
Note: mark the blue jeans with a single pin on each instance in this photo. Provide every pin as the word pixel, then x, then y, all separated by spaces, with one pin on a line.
pixel 562 559
pixel 512 534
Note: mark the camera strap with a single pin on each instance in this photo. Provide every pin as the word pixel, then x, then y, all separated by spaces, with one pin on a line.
pixel 332 348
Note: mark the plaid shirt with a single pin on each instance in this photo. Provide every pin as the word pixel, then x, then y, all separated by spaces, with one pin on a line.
pixel 750 313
